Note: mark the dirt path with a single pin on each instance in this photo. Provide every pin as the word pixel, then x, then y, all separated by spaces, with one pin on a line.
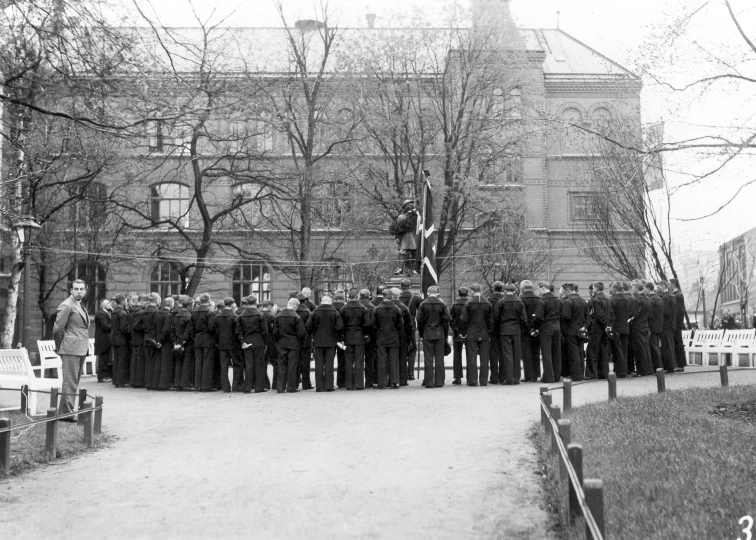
pixel 412 463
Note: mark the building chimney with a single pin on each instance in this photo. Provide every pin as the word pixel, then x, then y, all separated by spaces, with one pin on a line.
pixel 308 25
pixel 370 20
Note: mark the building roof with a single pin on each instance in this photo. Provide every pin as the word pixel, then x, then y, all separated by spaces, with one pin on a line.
pixel 265 49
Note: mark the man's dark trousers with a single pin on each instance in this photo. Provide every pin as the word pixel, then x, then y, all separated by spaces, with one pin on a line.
pixel 187 366
pixel 231 359
pixel 433 349
pixel 255 368
pixel 305 365
pixel 137 365
pixel 288 361
pixel 531 356
pixel 495 357
pixel 575 360
pixel 386 357
pixel 509 362
pixel 457 359
pixel 340 368
pixel 551 353
pixel 355 366
pixel 668 350
pixel 412 354
pixel 654 346
pixel 597 364
pixel 151 355
pixel 120 364
pixel 619 354
pixel 204 358
pixel 324 367
pixel 370 364
pixel 473 349
pixel 679 349
pixel 641 352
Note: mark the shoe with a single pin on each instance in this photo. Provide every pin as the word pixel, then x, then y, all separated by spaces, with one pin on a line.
pixel 456 381
pixel 329 390
pixel 379 387
pixel 247 392
pixel 404 384
pixel 669 371
pixel 679 369
pixel 429 387
pixel 319 390
pixel 472 384
pixel 293 391
pixel 411 378
pixel 508 382
pixel 359 388
pixel 395 387
pixel 491 381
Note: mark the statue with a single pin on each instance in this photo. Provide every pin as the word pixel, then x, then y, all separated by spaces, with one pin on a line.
pixel 404 230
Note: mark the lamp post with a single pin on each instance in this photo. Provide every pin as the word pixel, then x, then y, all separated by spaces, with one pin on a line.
pixel 24 228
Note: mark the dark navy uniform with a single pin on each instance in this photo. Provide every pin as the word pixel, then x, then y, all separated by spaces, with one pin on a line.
pixel 324 325
pixel 433 324
pixel 370 349
pixel 253 332
pixel 509 317
pixel 388 326
pixel 163 374
pixel 412 301
pixel 289 331
pixel 641 335
pixel 573 319
pixel 200 330
pixel 229 346
pixel 548 314
pixel 120 334
pixel 405 337
pixel 477 322
pixel 457 334
pixel 136 368
pixel 356 320
pixel 495 341
pixel 597 356
pixel 620 305
pixel 656 328
pixel 531 346
pixel 151 352
pixel 668 331
pixel 183 356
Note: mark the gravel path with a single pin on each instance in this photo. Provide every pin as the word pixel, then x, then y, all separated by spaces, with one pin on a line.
pixel 411 463
pixel 414 463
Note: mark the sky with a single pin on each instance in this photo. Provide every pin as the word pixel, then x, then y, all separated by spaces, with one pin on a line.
pixel 622 31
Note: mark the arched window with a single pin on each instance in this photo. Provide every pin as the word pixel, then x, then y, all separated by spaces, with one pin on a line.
pixel 333 277
pixel 166 279
pixel 169 201
pixel 94 275
pixel 600 118
pixel 570 137
pixel 250 278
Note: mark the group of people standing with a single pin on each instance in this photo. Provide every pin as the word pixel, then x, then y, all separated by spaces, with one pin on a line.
pixel 637 326
pixel 183 344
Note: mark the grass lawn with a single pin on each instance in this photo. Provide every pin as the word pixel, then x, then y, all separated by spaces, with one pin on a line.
pixel 28 444
pixel 676 465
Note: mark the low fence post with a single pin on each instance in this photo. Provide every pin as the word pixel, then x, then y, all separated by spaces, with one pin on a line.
pixel 723 376
pixel 25 399
pixel 594 497
pixel 612 386
pixel 544 389
pixel 567 395
pixel 575 453
pixel 86 414
pixel 556 414
pixel 82 400
pixel 547 400
pixel 660 384
pixel 51 444
pixel 5 441
pixel 54 397
pixel 98 415
pixel 565 433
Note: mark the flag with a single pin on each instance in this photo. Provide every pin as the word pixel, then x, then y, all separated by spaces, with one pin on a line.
pixel 428 240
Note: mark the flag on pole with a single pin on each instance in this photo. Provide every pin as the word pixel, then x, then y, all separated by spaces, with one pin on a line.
pixel 428 239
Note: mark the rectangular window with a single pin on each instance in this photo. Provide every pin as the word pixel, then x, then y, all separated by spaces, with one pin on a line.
pixel 580 206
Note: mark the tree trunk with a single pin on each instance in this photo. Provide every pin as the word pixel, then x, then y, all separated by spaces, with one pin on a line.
pixel 11 305
pixel 305 229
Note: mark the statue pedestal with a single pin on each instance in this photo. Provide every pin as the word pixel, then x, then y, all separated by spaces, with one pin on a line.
pixel 397 282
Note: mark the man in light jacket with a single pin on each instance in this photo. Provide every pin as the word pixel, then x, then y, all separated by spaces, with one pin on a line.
pixel 71 334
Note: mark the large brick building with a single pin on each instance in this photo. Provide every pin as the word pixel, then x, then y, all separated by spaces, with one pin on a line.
pixel 560 79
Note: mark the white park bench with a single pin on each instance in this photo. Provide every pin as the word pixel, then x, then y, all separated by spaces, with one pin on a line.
pixel 16 371
pixel 704 342
pixel 739 348
pixel 49 359
pixel 687 338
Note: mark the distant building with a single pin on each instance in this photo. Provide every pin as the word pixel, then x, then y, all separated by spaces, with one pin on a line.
pixel 737 272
